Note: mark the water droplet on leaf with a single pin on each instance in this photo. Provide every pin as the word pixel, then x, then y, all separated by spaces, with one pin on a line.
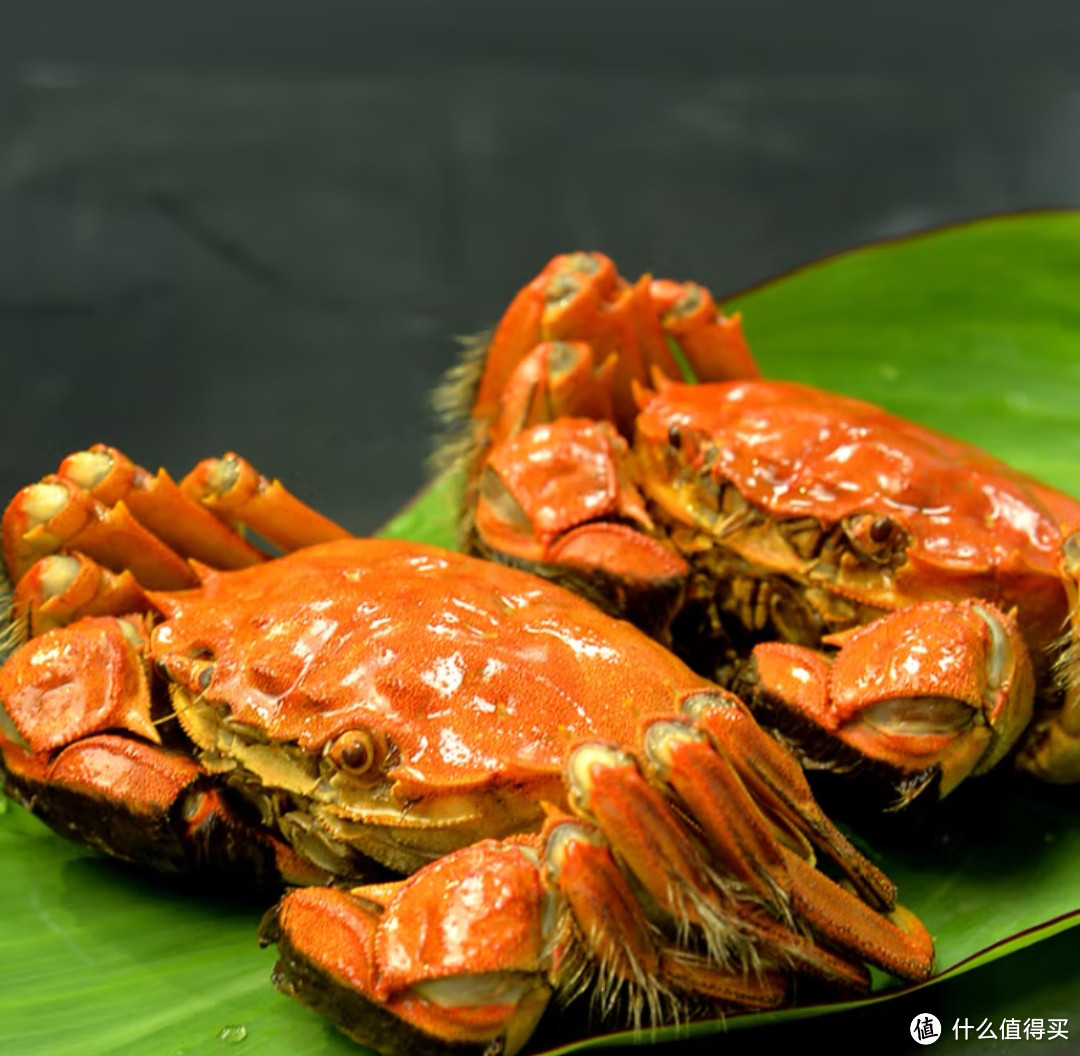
pixel 232 1034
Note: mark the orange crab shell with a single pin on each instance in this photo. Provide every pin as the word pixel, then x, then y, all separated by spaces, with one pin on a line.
pixel 511 673
pixel 974 527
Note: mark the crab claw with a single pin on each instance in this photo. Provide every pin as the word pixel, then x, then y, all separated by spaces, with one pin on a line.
pixel 451 955
pixel 559 499
pixel 683 878
pixel 73 682
pixel 78 745
pixel 938 688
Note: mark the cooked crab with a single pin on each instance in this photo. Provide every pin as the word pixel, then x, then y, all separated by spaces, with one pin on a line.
pixel 894 586
pixel 578 809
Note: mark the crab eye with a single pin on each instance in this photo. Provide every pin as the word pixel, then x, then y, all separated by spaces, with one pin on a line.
pixel 880 530
pixel 355 751
pixel 876 538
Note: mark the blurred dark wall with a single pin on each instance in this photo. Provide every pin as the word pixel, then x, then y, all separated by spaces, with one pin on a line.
pixel 258 225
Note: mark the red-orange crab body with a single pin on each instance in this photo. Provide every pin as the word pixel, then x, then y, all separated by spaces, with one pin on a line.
pixel 745 513
pixel 369 708
pixel 431 698
pixel 807 515
pixel 864 511
pixel 446 689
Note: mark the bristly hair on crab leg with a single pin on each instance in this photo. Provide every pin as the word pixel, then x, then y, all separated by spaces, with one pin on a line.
pixel 11 635
pixel 1051 747
pixel 576 340
pixel 306 694
pixel 763 512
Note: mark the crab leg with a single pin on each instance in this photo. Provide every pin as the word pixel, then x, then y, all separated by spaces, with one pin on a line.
pixel 56 514
pixel 101 505
pixel 566 293
pixel 89 539
pixel 605 938
pixel 717 891
pixel 60 588
pixel 636 898
pixel 713 343
pixel 648 838
pixel 557 379
pixel 233 489
pixel 158 504
pixel 775 780
pixel 579 297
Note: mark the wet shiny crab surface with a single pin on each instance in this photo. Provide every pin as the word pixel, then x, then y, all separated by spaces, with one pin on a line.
pixel 366 706
pixel 1033 837
pixel 95 947
pixel 776 535
pixel 466 734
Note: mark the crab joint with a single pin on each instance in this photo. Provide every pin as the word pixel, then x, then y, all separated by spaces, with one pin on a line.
pixel 88 468
pixel 44 501
pixel 695 706
pixel 650 840
pixel 62 587
pixel 58 573
pixel 612 934
pixel 454 956
pixel 661 742
pixel 583 767
pixel 39 519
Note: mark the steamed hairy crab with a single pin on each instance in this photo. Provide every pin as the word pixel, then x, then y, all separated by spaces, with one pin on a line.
pixel 579 811
pixel 886 597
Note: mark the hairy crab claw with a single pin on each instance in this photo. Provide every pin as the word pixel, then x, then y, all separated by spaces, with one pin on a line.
pixel 738 513
pixel 579 812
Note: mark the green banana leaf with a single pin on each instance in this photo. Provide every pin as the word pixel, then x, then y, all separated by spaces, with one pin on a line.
pixel 974 330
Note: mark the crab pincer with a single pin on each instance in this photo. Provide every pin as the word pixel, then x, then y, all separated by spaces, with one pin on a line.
pixel 578 810
pixel 681 877
pixel 739 513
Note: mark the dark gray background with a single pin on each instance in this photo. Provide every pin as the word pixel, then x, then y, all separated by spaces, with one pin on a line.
pixel 257 225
